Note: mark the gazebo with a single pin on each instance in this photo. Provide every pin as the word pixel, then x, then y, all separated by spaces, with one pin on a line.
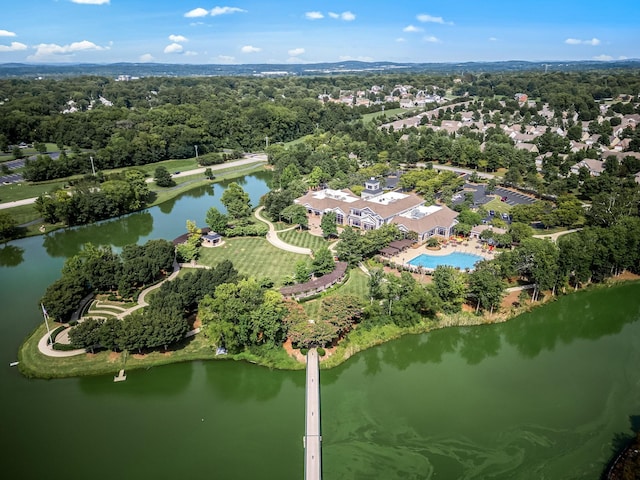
pixel 211 239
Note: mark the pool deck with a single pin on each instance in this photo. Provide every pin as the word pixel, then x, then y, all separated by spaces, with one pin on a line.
pixel 473 247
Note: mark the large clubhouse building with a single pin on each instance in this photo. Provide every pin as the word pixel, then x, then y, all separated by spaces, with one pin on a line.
pixel 375 208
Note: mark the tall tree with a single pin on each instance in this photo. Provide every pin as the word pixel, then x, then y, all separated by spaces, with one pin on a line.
pixel 162 177
pixel 328 225
pixel 236 201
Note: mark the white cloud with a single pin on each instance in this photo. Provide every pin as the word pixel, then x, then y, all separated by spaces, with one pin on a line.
pixel 575 41
pixel 603 58
pixel 432 39
pixel 493 39
pixel 346 58
pixel 92 2
pixel 400 40
pixel 197 12
pixel 294 52
pixel 346 16
pixel 52 50
pixel 226 58
pixel 424 18
pixel 250 49
pixel 178 38
pixel 215 11
pixel 14 47
pixel 411 29
pixel 294 60
pixel 313 15
pixel 147 57
pixel 173 48
pixel 7 33
pixel 190 53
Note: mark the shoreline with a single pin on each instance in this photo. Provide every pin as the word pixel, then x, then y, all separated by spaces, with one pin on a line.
pixel 249 164
pixel 196 349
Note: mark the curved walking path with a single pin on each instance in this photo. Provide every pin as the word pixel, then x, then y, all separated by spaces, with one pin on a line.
pixel 554 236
pixel 272 237
pixel 46 349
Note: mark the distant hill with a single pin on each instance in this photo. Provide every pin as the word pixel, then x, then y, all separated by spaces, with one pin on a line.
pixel 23 70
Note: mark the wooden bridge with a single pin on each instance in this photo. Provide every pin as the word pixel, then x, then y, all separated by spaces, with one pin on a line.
pixel 312 436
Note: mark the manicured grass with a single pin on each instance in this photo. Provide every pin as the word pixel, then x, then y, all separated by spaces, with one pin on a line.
pixel 171 165
pixel 356 284
pixel 497 205
pixel 35 364
pixel 253 256
pixel 184 184
pixel 20 191
pixel 302 239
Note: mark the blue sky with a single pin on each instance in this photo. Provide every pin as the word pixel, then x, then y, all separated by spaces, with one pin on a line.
pixel 302 31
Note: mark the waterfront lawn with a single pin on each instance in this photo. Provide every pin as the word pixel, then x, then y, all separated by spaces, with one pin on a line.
pixel 34 364
pixel 253 256
pixel 302 239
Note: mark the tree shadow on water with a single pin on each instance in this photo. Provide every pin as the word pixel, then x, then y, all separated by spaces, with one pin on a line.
pixel 11 256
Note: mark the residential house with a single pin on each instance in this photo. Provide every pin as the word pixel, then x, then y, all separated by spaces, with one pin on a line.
pixel 595 167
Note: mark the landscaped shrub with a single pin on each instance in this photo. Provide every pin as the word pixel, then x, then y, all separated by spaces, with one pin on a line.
pixel 321 351
pixel 55 333
pixel 258 230
pixel 63 347
pixel 304 351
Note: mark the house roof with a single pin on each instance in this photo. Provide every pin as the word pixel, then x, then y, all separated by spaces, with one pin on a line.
pixel 433 216
pixel 385 205
pixel 328 279
pixel 592 165
pixel 478 229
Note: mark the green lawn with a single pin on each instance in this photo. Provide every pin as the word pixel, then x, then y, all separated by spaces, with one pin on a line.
pixel 20 191
pixel 497 205
pixel 253 256
pixel 302 239
pixel 369 117
pixel 355 285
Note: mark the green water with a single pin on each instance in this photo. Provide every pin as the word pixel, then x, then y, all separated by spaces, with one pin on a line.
pixel 544 396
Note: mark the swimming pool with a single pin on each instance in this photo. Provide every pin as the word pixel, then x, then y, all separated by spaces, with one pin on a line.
pixel 455 259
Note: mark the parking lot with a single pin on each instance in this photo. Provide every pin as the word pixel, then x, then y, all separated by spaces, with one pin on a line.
pixel 10 179
pixel 514 198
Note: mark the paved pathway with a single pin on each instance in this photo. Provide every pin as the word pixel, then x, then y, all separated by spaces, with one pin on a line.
pixel 273 239
pixel 47 349
pixel 312 433
pixel 554 236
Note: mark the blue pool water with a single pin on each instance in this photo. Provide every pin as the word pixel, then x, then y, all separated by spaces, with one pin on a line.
pixel 455 259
